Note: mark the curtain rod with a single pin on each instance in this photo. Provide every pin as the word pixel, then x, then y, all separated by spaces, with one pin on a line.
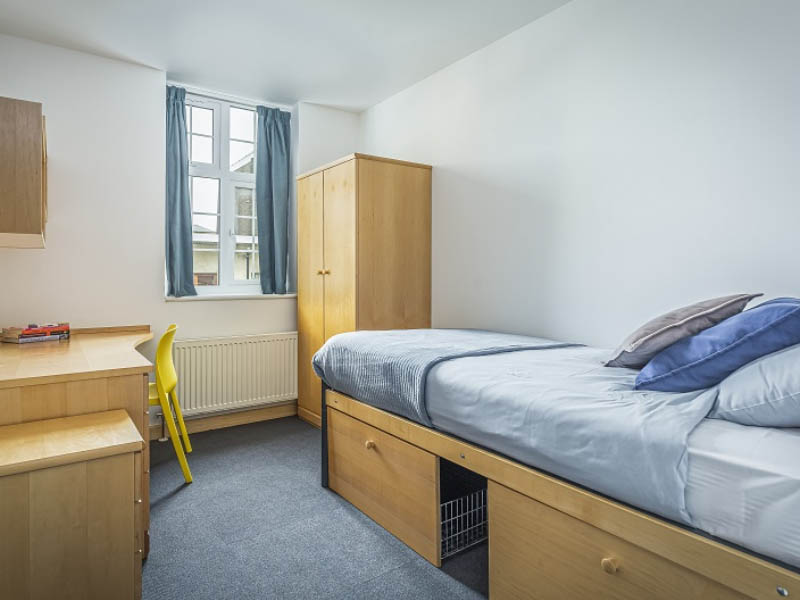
pixel 214 95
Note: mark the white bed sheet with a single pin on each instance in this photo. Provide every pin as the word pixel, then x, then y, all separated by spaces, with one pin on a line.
pixel 743 486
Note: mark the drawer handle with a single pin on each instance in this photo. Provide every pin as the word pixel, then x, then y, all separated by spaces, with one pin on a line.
pixel 369 444
pixel 609 565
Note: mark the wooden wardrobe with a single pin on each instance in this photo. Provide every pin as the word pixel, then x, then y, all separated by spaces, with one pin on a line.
pixel 363 256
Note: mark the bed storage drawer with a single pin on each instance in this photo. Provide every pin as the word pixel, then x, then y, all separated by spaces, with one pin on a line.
pixel 394 483
pixel 538 552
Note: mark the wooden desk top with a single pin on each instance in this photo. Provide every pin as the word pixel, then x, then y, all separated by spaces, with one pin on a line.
pixel 54 442
pixel 89 354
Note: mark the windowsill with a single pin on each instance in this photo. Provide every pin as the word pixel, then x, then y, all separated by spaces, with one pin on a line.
pixel 214 297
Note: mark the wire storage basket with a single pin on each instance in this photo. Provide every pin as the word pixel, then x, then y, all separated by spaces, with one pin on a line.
pixel 464 522
pixel 464 514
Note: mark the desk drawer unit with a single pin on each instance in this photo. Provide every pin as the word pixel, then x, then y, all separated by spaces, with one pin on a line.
pixel 538 552
pixel 394 483
pixel 68 509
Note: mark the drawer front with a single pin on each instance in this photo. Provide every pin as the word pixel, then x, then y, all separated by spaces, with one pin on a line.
pixel 394 483
pixel 538 552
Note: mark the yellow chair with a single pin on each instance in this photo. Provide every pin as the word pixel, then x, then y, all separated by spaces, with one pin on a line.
pixel 162 391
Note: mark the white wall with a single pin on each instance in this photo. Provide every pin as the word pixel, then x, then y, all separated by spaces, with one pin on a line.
pixel 324 135
pixel 103 264
pixel 608 162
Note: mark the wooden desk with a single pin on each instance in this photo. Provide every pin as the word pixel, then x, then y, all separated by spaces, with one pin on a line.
pixel 90 354
pixel 97 370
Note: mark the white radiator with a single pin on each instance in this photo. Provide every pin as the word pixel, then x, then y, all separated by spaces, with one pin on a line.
pixel 221 374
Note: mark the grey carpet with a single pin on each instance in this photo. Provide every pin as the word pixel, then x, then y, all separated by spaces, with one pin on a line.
pixel 256 524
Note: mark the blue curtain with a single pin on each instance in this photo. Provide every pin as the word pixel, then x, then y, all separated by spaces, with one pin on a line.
pixel 273 185
pixel 179 208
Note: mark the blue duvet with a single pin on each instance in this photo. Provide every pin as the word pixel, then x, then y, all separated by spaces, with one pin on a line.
pixel 550 405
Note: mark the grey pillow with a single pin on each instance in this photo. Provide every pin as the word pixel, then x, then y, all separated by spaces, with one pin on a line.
pixel 655 335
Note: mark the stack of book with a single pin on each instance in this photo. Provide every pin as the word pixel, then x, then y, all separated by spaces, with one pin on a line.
pixel 36 333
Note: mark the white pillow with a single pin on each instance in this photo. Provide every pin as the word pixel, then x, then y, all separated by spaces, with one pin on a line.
pixel 764 392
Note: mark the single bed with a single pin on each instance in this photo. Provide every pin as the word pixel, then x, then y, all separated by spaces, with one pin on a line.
pixel 553 407
pixel 742 483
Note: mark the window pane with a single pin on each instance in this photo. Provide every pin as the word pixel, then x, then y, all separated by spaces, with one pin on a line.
pixel 189 131
pixel 202 120
pixel 206 264
pixel 204 224
pixel 245 227
pixel 245 266
pixel 242 157
pixel 246 244
pixel 202 149
pixel 243 124
pixel 205 195
pixel 244 202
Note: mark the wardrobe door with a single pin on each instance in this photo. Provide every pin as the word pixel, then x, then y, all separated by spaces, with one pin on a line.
pixel 340 248
pixel 310 294
pixel 394 246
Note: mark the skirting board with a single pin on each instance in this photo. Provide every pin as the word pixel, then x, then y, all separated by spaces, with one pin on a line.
pixel 309 417
pixel 232 419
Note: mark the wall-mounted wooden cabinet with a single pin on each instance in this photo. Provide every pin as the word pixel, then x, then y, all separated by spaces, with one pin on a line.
pixel 23 174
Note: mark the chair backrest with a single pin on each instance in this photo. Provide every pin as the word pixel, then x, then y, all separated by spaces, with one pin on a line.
pixel 166 376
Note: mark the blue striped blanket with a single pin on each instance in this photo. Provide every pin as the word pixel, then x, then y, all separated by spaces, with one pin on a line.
pixel 388 369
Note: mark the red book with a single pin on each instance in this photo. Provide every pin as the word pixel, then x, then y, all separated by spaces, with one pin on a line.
pixel 45 329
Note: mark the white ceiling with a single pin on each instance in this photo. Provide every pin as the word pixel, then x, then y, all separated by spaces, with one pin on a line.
pixel 345 53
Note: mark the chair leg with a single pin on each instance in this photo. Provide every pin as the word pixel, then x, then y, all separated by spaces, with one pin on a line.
pixel 179 415
pixel 176 442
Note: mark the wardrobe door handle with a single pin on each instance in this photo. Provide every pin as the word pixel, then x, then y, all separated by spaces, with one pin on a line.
pixel 326 271
pixel 320 272
pixel 369 444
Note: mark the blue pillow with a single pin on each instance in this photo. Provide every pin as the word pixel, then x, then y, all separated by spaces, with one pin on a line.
pixel 705 359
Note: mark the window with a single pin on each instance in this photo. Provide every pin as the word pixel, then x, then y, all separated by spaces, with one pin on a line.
pixel 221 138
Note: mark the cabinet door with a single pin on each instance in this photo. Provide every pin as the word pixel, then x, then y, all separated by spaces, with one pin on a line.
pixel 340 248
pixel 21 174
pixel 310 294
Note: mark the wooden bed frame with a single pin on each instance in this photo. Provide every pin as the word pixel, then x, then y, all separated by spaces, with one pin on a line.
pixel 547 538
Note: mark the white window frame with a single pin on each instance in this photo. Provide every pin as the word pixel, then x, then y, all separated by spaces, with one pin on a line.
pixel 228 180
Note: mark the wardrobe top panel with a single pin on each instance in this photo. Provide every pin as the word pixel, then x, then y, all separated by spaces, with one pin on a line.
pixel 363 157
